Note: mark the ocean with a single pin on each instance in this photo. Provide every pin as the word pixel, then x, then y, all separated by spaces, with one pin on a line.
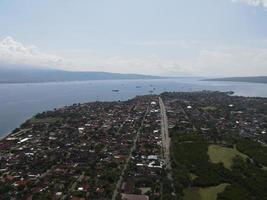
pixel 18 102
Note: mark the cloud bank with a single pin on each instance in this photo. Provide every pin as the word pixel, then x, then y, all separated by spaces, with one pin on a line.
pixel 253 2
pixel 13 52
pixel 207 59
pixel 232 61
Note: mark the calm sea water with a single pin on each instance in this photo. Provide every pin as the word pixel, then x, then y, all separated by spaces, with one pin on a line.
pixel 21 101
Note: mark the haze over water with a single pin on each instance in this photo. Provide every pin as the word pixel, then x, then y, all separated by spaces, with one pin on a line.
pixel 21 101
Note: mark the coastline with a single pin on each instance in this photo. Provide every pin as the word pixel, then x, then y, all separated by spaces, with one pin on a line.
pixel 5 135
pixel 258 80
pixel 20 102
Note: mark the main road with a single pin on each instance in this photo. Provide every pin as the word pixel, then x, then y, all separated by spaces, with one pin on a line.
pixel 166 140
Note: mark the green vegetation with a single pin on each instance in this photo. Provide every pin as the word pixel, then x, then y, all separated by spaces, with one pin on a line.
pixel 192 176
pixel 254 150
pixel 209 108
pixel 233 192
pixel 208 193
pixel 193 158
pixel 45 120
pixel 225 155
pixel 201 170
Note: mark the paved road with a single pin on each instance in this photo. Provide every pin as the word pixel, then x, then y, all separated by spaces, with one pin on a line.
pixel 118 185
pixel 166 140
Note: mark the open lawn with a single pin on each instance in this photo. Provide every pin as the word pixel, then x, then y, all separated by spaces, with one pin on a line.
pixel 193 176
pixel 209 108
pixel 209 193
pixel 45 120
pixel 224 155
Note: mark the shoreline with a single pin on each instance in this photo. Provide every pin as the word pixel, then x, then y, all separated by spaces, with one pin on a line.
pixel 5 134
pixel 73 81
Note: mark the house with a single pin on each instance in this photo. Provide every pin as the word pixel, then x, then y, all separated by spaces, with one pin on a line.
pixel 153 103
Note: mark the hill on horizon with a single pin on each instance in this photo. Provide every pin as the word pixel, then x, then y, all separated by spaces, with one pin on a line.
pixel 31 75
pixel 248 79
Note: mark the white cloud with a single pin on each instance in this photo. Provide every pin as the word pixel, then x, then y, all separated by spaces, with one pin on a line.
pixel 253 2
pixel 232 61
pixel 165 43
pixel 153 65
pixel 14 52
pixel 207 59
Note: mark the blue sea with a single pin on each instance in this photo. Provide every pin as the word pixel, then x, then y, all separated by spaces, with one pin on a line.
pixel 19 102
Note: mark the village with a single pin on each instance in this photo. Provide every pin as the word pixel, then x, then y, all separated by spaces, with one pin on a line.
pixel 217 114
pixel 80 151
pixel 117 150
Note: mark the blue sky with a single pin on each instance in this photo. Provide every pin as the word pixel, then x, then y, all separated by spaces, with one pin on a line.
pixel 170 37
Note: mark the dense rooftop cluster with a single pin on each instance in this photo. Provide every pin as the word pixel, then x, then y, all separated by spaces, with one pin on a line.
pixel 119 150
pixel 218 114
pixel 75 151
pixel 145 169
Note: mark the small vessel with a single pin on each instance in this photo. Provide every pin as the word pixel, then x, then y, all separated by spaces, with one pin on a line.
pixel 138 86
pixel 115 90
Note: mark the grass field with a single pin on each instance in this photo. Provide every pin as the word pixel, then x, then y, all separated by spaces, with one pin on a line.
pixel 209 193
pixel 193 176
pixel 45 120
pixel 224 155
pixel 209 108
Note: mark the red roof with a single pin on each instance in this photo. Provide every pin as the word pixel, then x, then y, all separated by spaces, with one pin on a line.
pixel 22 182
pixel 9 178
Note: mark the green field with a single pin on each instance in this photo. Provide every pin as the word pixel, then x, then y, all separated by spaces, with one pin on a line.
pixel 209 193
pixel 225 155
pixel 200 167
pixel 35 120
pixel 192 176
pixel 209 108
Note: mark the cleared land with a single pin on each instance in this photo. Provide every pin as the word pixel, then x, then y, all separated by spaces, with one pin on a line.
pixel 209 193
pixel 35 120
pixel 225 155
pixel 209 108
pixel 192 176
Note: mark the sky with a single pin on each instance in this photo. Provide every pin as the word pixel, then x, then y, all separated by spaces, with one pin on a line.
pixel 157 37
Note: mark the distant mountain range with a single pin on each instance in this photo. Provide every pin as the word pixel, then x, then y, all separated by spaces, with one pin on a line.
pixel 249 79
pixel 29 75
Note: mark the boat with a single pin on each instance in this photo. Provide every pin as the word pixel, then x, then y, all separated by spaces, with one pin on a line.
pixel 115 90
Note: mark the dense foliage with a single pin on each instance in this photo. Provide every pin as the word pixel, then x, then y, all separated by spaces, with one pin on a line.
pixel 247 178
pixel 254 150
